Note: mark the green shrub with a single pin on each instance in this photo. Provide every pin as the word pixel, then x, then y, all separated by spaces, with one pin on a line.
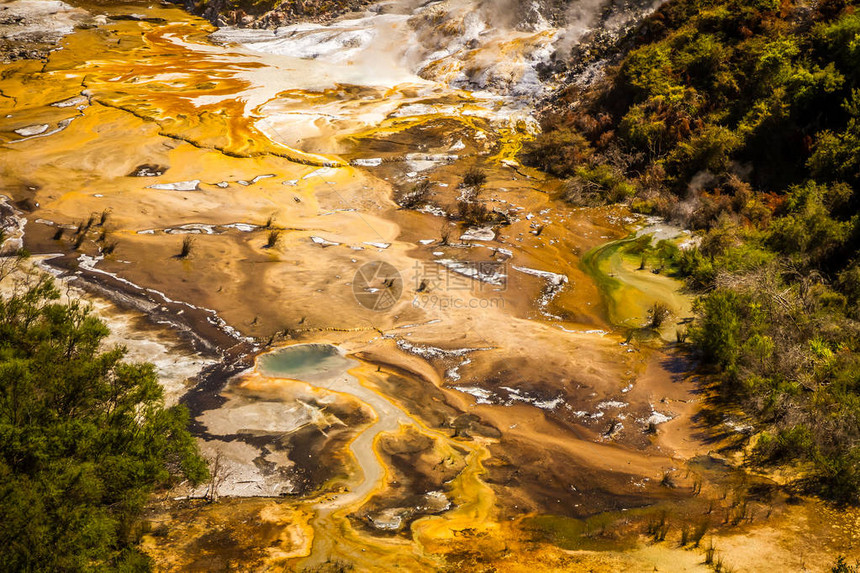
pixel 85 439
pixel 598 184
pixel 558 152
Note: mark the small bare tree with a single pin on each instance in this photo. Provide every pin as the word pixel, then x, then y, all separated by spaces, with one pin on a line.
pixel 660 313
pixel 187 245
pixel 444 233
pixel 475 178
pixel 474 213
pixel 273 238
pixel 414 197
pixel 218 476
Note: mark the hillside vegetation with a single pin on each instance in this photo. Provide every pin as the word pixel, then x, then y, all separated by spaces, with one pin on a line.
pixel 742 119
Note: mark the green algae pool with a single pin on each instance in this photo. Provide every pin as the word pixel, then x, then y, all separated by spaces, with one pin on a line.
pixel 308 362
pixel 629 292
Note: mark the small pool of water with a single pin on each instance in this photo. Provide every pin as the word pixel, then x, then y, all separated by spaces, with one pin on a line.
pixel 307 362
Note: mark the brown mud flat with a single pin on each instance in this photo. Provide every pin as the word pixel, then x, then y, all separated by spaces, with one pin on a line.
pixel 501 422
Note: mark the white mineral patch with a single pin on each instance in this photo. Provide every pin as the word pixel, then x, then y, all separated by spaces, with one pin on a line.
pixel 658 418
pixel 554 284
pixel 433 210
pixel 254 180
pixel 611 404
pixel 174 365
pixel 71 102
pixel 32 129
pixel 454 372
pixel 432 158
pixel 490 274
pixel 87 262
pixel 324 242
pixel 737 426
pixel 192 228
pixel 516 395
pixel 47 19
pixel 478 234
pixel 243 477
pixel 239 416
pixel 13 228
pixel 436 501
pixel 388 519
pixel 552 278
pixel 63 124
pixel 435 352
pixel 243 227
pixel 321 172
pixel 481 396
pixel 375 162
pixel 178 186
